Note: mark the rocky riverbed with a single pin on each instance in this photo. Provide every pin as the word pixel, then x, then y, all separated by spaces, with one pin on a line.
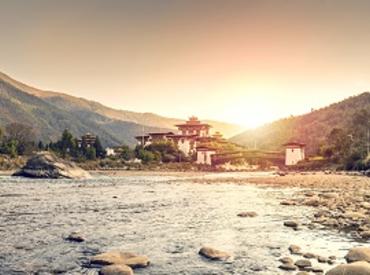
pixel 340 202
pixel 59 226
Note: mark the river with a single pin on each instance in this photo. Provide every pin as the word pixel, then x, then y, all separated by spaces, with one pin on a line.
pixel 164 217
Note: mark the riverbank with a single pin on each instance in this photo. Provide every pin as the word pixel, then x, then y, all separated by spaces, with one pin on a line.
pixel 341 202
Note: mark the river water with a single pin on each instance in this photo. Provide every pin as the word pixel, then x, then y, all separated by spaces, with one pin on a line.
pixel 166 218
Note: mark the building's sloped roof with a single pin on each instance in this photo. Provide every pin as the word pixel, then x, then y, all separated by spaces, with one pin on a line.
pixel 160 134
pixel 294 144
pixel 205 148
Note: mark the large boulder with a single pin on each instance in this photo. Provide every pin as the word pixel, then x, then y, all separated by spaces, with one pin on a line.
pixel 358 254
pixel 357 268
pixel 47 165
pixel 120 258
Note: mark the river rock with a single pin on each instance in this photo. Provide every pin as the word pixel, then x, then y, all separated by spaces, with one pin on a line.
pixel 303 263
pixel 365 234
pixel 286 260
pixel 365 205
pixel 47 165
pixel 295 249
pixel 292 224
pixel 315 202
pixel 322 259
pixel 288 267
pixel 288 202
pixel 358 254
pixel 247 214
pixel 303 273
pixel 75 237
pixel 214 254
pixel 309 255
pixel 357 268
pixel 355 216
pixel 317 269
pixel 116 270
pixel 119 258
pixel 329 195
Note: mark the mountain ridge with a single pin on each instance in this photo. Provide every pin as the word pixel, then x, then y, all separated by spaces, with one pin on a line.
pixel 66 101
pixel 311 128
pixel 116 126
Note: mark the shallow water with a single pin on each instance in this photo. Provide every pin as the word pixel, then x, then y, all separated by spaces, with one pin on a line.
pixel 166 218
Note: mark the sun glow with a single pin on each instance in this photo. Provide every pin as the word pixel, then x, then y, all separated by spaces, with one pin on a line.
pixel 250 103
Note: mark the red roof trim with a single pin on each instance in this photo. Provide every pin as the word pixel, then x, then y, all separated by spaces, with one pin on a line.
pixel 294 144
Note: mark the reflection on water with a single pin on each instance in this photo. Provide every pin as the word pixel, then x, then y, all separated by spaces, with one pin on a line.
pixel 157 216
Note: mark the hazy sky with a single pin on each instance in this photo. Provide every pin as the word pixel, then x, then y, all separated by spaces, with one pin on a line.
pixel 247 62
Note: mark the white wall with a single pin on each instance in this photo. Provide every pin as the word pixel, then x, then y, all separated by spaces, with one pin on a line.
pixel 184 146
pixel 110 152
pixel 294 155
pixel 205 157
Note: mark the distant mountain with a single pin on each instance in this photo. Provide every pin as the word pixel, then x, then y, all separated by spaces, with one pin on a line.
pixel 311 128
pixel 50 113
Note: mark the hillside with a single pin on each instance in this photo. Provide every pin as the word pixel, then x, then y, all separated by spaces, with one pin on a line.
pixel 311 128
pixel 50 113
pixel 76 105
pixel 49 121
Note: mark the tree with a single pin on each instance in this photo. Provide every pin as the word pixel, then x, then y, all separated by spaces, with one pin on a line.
pixel 165 151
pixel 339 143
pixel 145 156
pixel 126 153
pixel 100 152
pixel 90 153
pixel 22 135
pixel 360 131
pixel 67 144
pixel 10 148
pixel 41 145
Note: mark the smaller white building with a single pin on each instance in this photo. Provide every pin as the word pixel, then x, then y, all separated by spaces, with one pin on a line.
pixel 294 153
pixel 204 155
pixel 110 152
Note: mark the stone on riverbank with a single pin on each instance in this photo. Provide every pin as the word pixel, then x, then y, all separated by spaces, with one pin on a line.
pixel 358 254
pixel 120 258
pixel 309 255
pixel 295 249
pixel 365 234
pixel 75 237
pixel 116 270
pixel 214 254
pixel 303 263
pixel 288 267
pixel 292 224
pixel 322 259
pixel 47 165
pixel 250 214
pixel 317 269
pixel 286 260
pixel 288 202
pixel 357 268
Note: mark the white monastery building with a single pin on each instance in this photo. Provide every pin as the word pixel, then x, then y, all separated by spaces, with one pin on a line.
pixel 204 155
pixel 189 134
pixel 294 153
